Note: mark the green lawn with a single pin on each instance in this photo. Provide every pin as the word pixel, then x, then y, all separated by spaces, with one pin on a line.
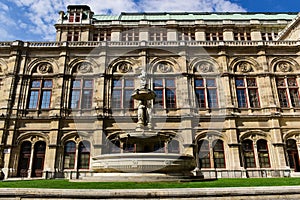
pixel 133 185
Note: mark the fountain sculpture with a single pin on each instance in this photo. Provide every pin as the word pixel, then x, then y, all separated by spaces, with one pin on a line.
pixel 152 148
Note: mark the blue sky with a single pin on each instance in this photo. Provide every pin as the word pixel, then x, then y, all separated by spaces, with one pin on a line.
pixel 33 20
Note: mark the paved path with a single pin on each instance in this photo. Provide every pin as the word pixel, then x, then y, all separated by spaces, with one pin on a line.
pixel 281 192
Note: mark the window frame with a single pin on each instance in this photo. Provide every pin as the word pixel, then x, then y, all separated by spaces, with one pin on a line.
pixel 247 100
pixel 290 100
pixel 249 154
pixel 82 89
pixel 165 88
pixel 206 88
pixel 260 154
pixel 41 90
pixel 123 89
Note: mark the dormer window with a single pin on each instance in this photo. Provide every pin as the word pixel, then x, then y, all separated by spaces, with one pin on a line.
pixel 74 17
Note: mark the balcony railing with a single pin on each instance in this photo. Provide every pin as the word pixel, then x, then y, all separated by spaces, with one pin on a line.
pixel 93 44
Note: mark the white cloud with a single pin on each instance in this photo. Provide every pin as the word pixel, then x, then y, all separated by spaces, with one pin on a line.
pixel 189 5
pixel 41 15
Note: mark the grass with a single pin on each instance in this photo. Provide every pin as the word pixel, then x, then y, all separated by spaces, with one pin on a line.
pixel 232 182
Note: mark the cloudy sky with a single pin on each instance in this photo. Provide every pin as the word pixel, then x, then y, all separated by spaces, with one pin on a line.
pixel 33 20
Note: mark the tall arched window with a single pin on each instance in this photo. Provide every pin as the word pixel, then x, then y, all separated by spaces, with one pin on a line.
pixel 84 155
pixel 292 153
pixel 219 155
pixel 204 154
pixel 263 153
pixel 248 153
pixel 69 155
pixel 38 159
pixel 24 159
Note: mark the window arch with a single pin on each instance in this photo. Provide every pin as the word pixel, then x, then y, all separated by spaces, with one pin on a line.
pixel 216 149
pixel 263 153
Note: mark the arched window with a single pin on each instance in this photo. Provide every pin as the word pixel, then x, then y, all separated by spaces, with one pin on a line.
pixel 248 153
pixel 292 153
pixel 69 155
pixel 204 154
pixel 219 156
pixel 24 159
pixel 84 155
pixel 263 154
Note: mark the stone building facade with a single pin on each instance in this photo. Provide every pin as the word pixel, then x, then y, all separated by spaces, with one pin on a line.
pixel 226 84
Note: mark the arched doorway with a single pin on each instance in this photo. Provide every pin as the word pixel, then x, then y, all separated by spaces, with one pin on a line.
pixel 38 159
pixel 24 160
pixel 293 156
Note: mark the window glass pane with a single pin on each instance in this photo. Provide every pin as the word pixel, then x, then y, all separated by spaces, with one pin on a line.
pixel 129 83
pixel 88 84
pixel 36 84
pixel 46 97
pixel 159 97
pixel 170 83
pixel 253 97
pixel 251 82
pixel 291 82
pixel 171 99
pixel 116 99
pixel 33 101
pixel 204 156
pixel 282 97
pixel 117 83
pixel 241 97
pixel 158 83
pixel 212 98
pixel 128 99
pixel 201 97
pixel 239 83
pixel 76 84
pixel 48 84
pixel 210 83
pixel 280 82
pixel 87 96
pixel 75 99
pixel 199 83
pixel 294 97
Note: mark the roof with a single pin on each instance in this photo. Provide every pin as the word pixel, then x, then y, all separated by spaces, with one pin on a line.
pixel 164 16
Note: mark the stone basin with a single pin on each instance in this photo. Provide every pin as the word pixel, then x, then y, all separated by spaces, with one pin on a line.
pixel 144 162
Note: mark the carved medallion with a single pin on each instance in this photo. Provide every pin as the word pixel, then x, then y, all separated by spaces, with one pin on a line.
pixel 204 67
pixel 284 66
pixel 164 67
pixel 245 67
pixel 44 68
pixel 124 67
pixel 84 67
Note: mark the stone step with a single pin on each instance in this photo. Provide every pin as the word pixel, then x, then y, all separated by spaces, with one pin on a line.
pixel 295 174
pixel 136 177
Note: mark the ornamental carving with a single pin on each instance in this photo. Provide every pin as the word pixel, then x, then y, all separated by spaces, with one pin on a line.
pixel 204 67
pixel 245 67
pixel 164 67
pixel 44 68
pixel 284 66
pixel 124 67
pixel 84 67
